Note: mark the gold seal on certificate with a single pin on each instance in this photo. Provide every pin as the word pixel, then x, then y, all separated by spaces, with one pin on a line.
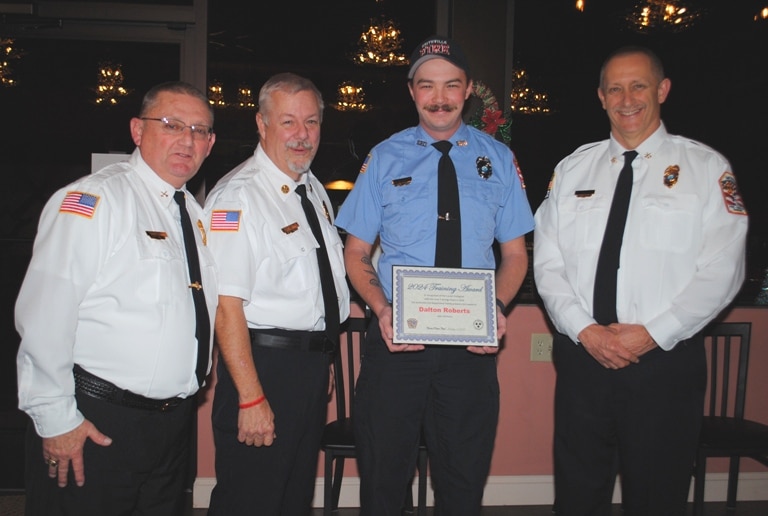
pixel 433 305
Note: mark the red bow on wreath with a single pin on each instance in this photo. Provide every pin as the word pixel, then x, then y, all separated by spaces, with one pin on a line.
pixel 492 120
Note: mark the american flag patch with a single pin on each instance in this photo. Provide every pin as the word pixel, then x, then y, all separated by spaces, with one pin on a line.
pixel 365 164
pixel 224 220
pixel 79 203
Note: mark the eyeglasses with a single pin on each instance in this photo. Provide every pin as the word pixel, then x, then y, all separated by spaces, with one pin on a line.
pixel 176 128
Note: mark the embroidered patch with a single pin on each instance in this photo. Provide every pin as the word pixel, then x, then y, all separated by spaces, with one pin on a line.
pixel 550 185
pixel 731 196
pixel 520 174
pixel 79 203
pixel 365 164
pixel 225 220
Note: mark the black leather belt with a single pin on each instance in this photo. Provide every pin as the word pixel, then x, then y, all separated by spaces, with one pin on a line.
pixel 95 387
pixel 296 340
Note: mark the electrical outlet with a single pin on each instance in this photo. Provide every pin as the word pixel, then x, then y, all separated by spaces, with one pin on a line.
pixel 541 347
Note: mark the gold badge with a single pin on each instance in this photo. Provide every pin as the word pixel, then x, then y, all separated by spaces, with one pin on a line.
pixel 290 228
pixel 285 189
pixel 202 232
pixel 671 175
pixel 327 214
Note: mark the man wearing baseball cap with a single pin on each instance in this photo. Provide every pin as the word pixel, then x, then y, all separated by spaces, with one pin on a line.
pixel 435 195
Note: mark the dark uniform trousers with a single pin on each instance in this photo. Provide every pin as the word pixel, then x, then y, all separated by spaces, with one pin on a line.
pixel 643 419
pixel 143 472
pixel 276 480
pixel 449 392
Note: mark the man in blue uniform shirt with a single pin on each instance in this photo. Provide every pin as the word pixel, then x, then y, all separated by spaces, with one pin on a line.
pixel 450 393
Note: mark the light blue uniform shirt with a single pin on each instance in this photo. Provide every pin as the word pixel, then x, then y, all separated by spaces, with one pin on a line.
pixel 395 198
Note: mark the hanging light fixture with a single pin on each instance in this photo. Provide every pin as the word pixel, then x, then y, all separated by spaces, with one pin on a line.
pixel 762 15
pixel 216 94
pixel 580 5
pixel 8 51
pixel 109 84
pixel 380 44
pixel 245 97
pixel 662 15
pixel 525 100
pixel 350 97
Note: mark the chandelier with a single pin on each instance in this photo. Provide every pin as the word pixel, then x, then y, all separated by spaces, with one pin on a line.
pixel 109 84
pixel 525 100
pixel 351 97
pixel 380 44
pixel 662 15
pixel 245 98
pixel 7 52
pixel 216 94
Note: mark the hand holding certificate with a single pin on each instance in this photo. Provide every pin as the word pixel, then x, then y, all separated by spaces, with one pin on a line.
pixel 433 305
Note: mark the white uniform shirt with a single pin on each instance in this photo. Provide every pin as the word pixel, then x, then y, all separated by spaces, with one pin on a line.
pixel 682 257
pixel 265 249
pixel 109 292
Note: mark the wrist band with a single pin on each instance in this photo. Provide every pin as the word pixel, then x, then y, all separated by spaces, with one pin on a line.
pixel 253 403
pixel 501 305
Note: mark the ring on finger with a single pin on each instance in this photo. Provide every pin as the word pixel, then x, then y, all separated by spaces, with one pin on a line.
pixel 52 462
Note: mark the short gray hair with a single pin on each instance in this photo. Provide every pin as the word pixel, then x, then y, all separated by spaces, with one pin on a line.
pixel 179 87
pixel 657 68
pixel 289 83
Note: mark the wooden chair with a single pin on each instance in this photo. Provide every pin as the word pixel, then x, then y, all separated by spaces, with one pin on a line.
pixel 725 432
pixel 338 441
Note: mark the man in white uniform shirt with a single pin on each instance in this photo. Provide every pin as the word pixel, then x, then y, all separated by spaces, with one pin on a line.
pixel 630 380
pixel 109 360
pixel 274 313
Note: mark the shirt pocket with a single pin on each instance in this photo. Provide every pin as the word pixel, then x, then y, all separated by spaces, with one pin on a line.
pixel 668 222
pixel 582 222
pixel 292 251
pixel 409 214
pixel 162 270
pixel 480 203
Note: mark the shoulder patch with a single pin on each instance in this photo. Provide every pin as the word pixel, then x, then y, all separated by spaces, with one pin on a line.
pixel 550 185
pixel 365 164
pixel 519 174
pixel 225 220
pixel 79 203
pixel 731 196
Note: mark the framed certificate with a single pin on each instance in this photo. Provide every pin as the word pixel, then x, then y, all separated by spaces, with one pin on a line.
pixel 432 305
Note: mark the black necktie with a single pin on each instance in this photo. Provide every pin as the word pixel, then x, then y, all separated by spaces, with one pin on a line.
pixel 203 326
pixel 448 247
pixel 330 300
pixel 604 302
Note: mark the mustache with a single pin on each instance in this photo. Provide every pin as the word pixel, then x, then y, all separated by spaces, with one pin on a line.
pixel 433 108
pixel 302 144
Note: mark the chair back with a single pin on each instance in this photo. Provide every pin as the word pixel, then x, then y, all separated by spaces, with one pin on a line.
pixel 345 364
pixel 727 346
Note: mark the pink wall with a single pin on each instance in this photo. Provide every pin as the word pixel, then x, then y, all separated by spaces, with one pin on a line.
pixel 524 437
